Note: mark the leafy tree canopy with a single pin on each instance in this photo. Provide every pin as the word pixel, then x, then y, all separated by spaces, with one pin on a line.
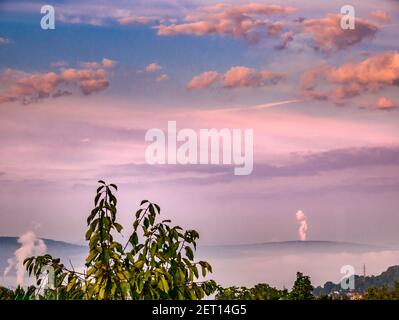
pixel 157 262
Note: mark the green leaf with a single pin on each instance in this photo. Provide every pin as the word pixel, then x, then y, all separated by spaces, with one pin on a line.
pixel 139 264
pixel 153 250
pixel 165 284
pixel 101 293
pixel 146 223
pixel 118 227
pixel 97 198
pixel 106 255
pixel 181 275
pixel 195 270
pixel 91 256
pixel 203 270
pixel 88 233
pixel 138 212
pixel 134 239
pixel 71 284
pixel 189 253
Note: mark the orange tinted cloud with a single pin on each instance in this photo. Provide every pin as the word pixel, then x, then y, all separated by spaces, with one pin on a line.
pixel 309 78
pixel 236 77
pixel 247 21
pixel 380 16
pixel 351 79
pixel 88 80
pixel 253 22
pixel 105 63
pixel 329 36
pixel 108 63
pixel 32 87
pixel 275 28
pixel 162 77
pixel 204 80
pixel 153 67
pixel 138 20
pixel 378 70
pixel 385 104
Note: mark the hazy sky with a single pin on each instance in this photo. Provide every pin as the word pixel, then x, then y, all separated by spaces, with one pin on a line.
pixel 76 102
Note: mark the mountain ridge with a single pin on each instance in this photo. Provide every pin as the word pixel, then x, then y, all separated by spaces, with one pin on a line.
pixel 14 240
pixel 387 278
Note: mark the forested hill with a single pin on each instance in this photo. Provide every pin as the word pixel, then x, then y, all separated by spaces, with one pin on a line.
pixel 387 278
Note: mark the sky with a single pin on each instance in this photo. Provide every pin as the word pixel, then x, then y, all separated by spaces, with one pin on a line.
pixel 77 101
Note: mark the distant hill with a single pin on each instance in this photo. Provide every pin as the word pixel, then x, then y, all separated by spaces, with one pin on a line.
pixel 6 241
pixel 65 251
pixel 387 278
pixel 286 247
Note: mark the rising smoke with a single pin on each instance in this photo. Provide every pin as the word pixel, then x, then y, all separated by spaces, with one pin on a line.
pixel 30 246
pixel 303 225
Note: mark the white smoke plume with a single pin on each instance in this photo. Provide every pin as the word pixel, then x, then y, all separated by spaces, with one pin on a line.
pixel 303 225
pixel 31 245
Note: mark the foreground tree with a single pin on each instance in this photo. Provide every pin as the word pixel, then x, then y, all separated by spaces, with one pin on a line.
pixel 303 289
pixel 157 262
pixel 383 293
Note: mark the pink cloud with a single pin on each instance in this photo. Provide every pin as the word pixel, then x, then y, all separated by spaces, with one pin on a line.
pixel 32 87
pixel 385 104
pixel 89 81
pixel 204 80
pixel 236 77
pixel 38 82
pixel 329 36
pixel 128 20
pixel 380 69
pixel 162 77
pixel 105 63
pixel 247 21
pixel 253 22
pixel 108 63
pixel 153 67
pixel 380 16
pixel 351 79
pixel 275 28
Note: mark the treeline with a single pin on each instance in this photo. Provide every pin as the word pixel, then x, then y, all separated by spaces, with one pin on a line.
pixel 385 281
pixel 302 290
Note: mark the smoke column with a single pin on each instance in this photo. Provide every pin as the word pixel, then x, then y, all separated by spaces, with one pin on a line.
pixel 30 246
pixel 303 225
